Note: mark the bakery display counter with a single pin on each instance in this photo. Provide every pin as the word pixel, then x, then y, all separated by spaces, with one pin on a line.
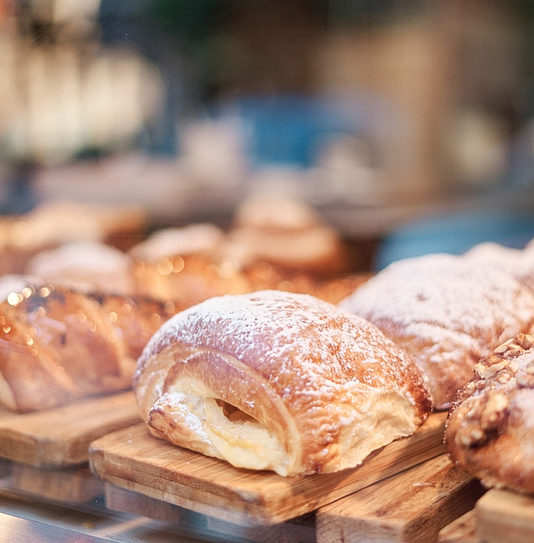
pixel 430 502
pixel 90 470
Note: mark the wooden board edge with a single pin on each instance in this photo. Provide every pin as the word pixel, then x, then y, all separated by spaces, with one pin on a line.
pixel 28 446
pixel 269 511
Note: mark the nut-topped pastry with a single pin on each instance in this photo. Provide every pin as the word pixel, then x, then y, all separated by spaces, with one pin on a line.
pixel 490 429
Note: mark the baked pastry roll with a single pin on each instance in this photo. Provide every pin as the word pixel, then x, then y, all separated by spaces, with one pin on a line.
pixel 87 266
pixel 59 345
pixel 447 312
pixel 490 428
pixel 181 265
pixel 286 233
pixel 278 381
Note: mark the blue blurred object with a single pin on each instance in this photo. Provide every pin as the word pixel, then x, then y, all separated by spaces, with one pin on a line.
pixel 455 234
pixel 285 129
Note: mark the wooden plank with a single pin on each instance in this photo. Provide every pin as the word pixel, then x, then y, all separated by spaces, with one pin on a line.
pixel 504 516
pixel 133 459
pixel 299 530
pixel 461 530
pixel 5 468
pixel 62 436
pixel 126 501
pixel 75 484
pixel 410 507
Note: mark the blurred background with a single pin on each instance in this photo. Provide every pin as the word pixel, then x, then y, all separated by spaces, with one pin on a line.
pixel 407 124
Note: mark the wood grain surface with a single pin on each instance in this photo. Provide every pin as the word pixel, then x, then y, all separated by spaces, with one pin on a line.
pixel 503 516
pixel 71 485
pixel 410 507
pixel 62 436
pixel 461 530
pixel 135 460
pixel 300 530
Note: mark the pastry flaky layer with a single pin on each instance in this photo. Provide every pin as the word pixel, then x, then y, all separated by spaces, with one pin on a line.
pixel 447 312
pixel 58 345
pixel 278 381
pixel 490 429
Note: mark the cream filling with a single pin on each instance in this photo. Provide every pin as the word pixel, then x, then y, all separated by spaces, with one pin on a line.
pixel 229 433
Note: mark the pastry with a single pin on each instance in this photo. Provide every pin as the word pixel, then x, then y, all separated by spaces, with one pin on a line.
pixel 181 265
pixel 447 312
pixel 58 345
pixel 278 381
pixel 85 265
pixel 287 233
pixel 54 223
pixel 490 428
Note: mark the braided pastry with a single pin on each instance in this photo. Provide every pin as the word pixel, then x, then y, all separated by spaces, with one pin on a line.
pixel 58 345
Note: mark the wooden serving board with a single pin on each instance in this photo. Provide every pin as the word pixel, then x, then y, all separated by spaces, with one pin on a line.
pixel 300 530
pixel 504 516
pixel 461 530
pixel 411 507
pixel 62 436
pixel 135 460
pixel 72 484
pixel 5 468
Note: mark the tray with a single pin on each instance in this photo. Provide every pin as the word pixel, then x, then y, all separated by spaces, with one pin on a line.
pixel 505 516
pixel 70 485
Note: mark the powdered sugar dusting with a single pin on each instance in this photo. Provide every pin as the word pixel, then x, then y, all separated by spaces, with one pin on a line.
pixel 317 347
pixel 447 304
pixel 518 263
pixel 446 291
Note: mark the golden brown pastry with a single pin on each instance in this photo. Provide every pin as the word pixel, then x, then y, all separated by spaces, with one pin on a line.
pixel 278 381
pixel 490 429
pixel 181 265
pixel 287 233
pixel 57 345
pixel 54 223
pixel 447 312
pixel 85 265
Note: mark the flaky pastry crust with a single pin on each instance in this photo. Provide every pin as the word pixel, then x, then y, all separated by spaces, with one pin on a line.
pixel 447 312
pixel 278 381
pixel 59 345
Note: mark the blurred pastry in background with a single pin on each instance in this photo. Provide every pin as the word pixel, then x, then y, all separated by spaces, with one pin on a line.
pixel 282 243
pixel 182 265
pixel 87 266
pixel 12 284
pixel 59 345
pixel 274 243
pixel 202 238
pixel 285 232
pixel 55 223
